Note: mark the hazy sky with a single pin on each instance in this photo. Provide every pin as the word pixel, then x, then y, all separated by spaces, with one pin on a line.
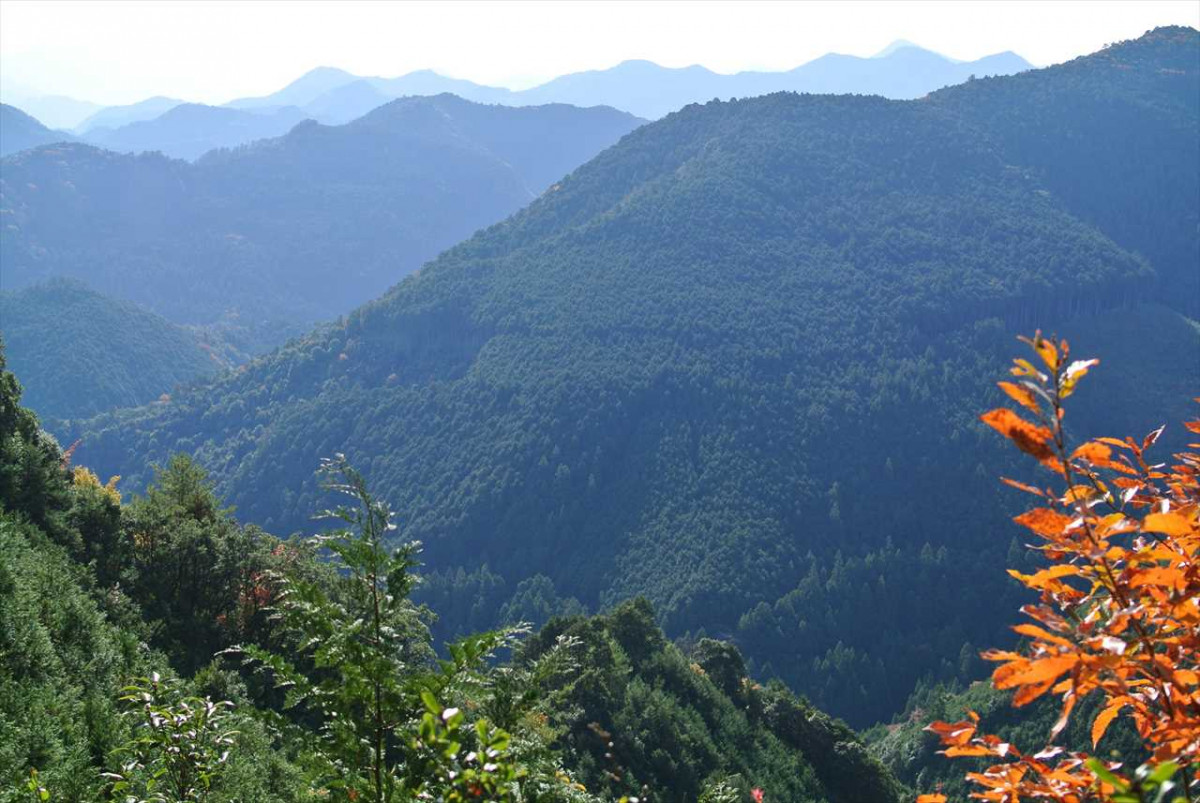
pixel 213 51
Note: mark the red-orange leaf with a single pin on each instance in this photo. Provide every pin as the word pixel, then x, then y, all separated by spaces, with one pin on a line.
pixel 1093 452
pixel 1103 720
pixel 1169 523
pixel 1021 395
pixel 1040 671
pixel 1158 576
pixel 1029 438
pixel 1044 521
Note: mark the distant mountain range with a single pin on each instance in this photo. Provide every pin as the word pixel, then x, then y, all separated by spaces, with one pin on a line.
pixel 292 230
pixel 53 111
pixel 648 90
pixel 117 116
pixel 189 130
pixel 642 88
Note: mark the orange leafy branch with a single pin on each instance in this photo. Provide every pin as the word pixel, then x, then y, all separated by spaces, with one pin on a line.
pixel 1118 614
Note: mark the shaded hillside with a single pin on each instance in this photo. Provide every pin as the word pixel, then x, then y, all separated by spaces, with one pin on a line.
pixel 19 131
pixel 1115 137
pixel 79 353
pixel 295 229
pixel 721 365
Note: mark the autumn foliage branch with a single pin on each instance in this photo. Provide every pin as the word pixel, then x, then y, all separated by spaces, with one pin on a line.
pixel 1118 613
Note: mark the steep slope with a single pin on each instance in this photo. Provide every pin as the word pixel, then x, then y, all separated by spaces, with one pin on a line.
pixel 1115 137
pixel 295 229
pixel 189 130
pixel 79 353
pixel 19 131
pixel 721 365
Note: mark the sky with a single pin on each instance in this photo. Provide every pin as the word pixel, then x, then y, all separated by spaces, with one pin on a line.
pixel 213 51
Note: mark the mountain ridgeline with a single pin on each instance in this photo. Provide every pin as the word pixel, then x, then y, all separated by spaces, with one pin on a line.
pixel 19 131
pixel 647 89
pixel 722 365
pixel 290 230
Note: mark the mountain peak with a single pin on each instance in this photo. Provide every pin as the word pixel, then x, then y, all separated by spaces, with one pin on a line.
pixel 899 44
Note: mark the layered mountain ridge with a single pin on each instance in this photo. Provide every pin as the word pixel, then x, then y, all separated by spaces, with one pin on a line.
pixel 291 230
pixel 721 364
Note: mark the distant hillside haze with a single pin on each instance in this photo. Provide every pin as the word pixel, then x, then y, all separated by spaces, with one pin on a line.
pixel 648 90
pixel 189 130
pixel 53 111
pixel 19 131
pixel 300 92
pixel 643 88
pixel 291 230
pixel 117 116
pixel 722 364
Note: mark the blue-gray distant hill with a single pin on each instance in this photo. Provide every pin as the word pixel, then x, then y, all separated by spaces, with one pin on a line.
pixel 189 130
pixel 19 131
pixel 648 90
pixel 117 116
pixel 291 230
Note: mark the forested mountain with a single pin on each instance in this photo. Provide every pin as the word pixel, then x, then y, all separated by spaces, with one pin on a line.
pixel 163 591
pixel 295 229
pixel 189 130
pixel 1064 123
pixel 19 131
pixel 723 363
pixel 80 353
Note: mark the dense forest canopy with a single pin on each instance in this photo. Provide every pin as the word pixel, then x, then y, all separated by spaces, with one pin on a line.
pixel 722 364
pixel 290 230
pixel 79 353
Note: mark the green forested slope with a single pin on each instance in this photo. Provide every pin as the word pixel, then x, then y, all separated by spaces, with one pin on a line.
pixel 96 593
pixel 296 229
pixel 1113 136
pixel 723 365
pixel 79 353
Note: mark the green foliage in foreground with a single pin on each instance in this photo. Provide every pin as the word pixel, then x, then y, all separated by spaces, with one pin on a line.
pixel 110 614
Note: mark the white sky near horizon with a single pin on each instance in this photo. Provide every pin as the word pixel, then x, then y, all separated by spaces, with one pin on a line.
pixel 122 51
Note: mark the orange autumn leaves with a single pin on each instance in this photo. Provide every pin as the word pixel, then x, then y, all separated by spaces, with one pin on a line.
pixel 1118 610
